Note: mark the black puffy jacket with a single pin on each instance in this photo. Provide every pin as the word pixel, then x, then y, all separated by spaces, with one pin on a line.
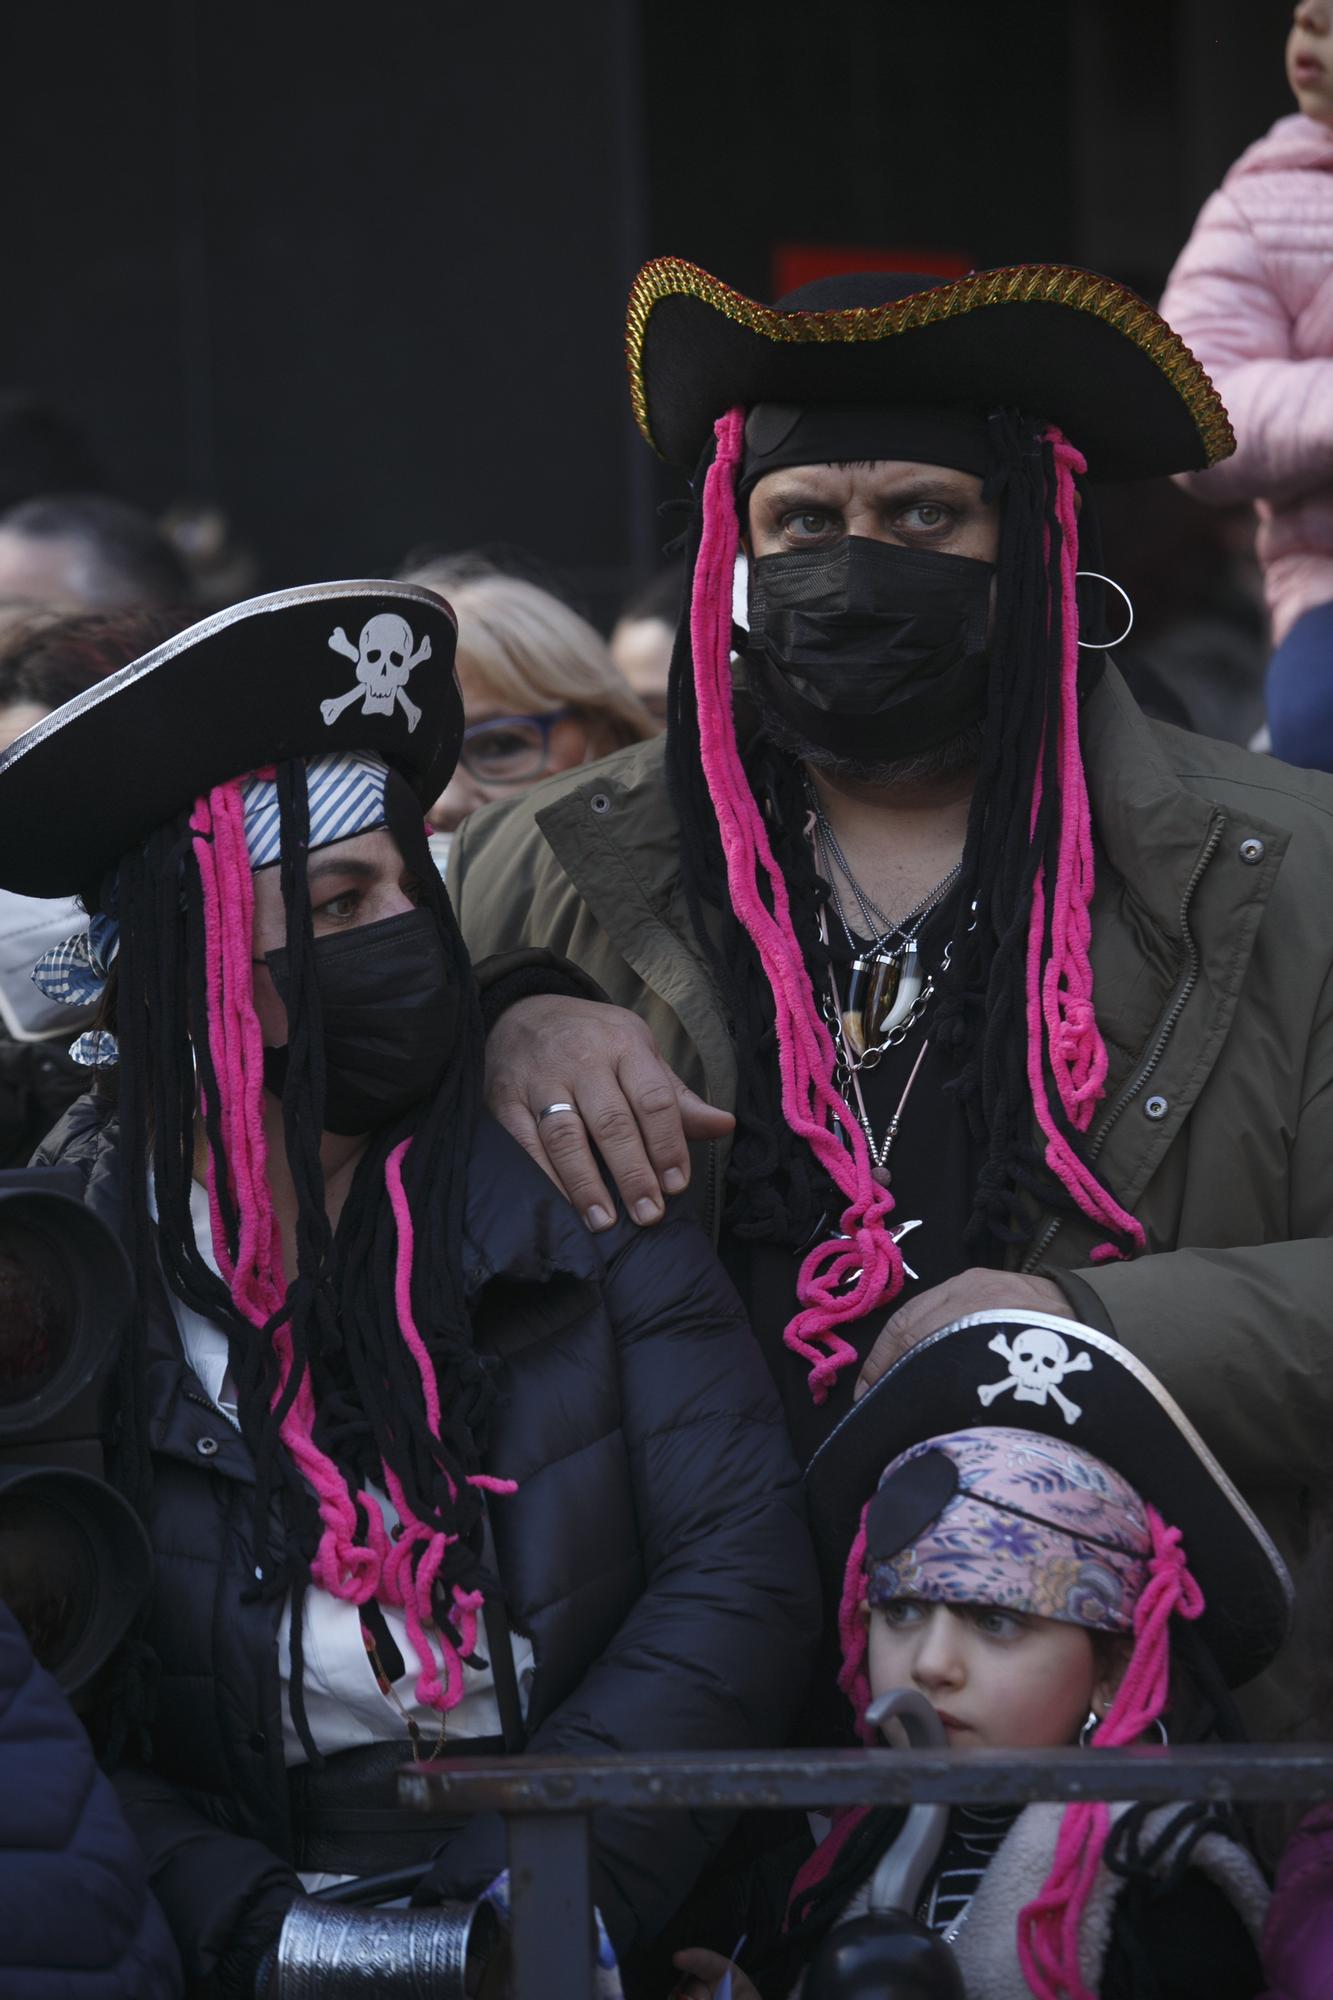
pixel 76 1919
pixel 655 1552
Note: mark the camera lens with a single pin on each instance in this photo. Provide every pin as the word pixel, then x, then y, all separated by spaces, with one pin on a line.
pixel 48 1574
pixel 37 1308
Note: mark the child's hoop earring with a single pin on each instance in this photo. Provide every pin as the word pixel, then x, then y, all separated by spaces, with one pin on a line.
pixel 1105 645
pixel 1094 1722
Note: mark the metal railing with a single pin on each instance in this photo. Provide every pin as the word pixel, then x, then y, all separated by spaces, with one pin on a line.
pixel 548 1804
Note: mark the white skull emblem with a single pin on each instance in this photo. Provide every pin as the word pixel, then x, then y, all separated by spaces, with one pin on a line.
pixel 1038 1361
pixel 384 659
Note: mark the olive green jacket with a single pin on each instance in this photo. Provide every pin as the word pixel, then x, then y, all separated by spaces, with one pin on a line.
pixel 1213 959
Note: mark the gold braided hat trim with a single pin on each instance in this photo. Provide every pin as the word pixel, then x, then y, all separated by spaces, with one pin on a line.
pixel 1018 284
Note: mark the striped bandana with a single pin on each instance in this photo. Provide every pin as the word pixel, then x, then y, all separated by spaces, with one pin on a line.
pixel 346 794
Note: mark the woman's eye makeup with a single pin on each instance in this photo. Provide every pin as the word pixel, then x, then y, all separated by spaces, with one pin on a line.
pixel 344 904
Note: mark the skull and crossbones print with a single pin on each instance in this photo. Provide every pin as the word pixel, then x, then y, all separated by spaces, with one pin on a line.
pixel 1038 1361
pixel 384 659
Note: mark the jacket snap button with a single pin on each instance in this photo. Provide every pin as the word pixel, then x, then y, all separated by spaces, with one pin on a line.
pixel 600 803
pixel 1252 852
pixel 206 1447
pixel 1156 1107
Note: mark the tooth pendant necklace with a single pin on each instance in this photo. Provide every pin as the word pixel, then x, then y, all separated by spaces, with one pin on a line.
pixel 885 983
pixel 881 992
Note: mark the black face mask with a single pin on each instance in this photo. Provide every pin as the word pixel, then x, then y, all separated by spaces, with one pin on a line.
pixel 870 651
pixel 390 1016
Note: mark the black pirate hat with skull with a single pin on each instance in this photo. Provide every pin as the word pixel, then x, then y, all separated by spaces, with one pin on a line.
pixel 298 673
pixel 1037 1372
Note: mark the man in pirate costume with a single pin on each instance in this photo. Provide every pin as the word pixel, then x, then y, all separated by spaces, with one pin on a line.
pixel 1019 1000
pixel 424 1464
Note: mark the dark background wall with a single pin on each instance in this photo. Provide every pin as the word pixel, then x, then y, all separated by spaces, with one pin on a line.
pixel 359 273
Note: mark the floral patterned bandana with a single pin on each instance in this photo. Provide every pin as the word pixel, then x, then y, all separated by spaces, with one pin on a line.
pixel 1011 1518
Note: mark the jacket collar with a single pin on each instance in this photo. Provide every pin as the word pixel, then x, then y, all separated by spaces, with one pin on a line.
pixel 1140 806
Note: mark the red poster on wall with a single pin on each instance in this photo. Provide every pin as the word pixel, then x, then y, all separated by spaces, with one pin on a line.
pixel 801 263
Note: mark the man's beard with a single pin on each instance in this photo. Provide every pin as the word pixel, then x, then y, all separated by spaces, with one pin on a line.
pixel 946 760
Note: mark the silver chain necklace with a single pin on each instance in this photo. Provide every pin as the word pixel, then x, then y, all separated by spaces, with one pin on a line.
pixel 878 926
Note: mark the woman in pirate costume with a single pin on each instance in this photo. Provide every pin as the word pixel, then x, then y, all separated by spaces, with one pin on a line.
pixel 424 1464
pixel 860 896
pixel 1051 1554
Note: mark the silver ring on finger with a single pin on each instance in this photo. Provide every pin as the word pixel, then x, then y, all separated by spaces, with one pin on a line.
pixel 550 1110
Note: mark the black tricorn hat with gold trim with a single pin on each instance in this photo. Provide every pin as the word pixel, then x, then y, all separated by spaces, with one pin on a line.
pixel 1058 343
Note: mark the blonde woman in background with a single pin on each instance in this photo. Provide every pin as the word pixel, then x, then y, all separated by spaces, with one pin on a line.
pixel 540 690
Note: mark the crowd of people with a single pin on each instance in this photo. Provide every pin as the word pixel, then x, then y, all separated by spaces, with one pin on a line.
pixel 756 1183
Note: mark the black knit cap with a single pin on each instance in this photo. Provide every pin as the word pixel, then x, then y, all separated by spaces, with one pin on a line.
pixel 1065 345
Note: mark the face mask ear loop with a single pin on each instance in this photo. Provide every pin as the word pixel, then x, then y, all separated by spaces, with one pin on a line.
pixel 847 1278
pixel 1048 1926
pixel 1062 1023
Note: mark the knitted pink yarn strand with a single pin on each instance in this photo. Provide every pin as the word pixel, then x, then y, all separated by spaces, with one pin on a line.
pixel 1048 1926
pixel 255 1279
pixel 1078 1053
pixel 1061 1020
pixel 839 1281
pixel 853 1632
pixel 414 1588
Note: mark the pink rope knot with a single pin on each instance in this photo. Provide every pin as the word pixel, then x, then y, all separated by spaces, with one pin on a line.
pixel 346 1569
pixel 1048 1926
pixel 838 1282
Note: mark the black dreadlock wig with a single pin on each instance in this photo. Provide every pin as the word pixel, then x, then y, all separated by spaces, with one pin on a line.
pixel 339 1315
pixel 778 1192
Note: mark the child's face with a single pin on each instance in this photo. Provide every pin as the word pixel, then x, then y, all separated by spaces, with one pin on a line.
pixel 998 1680
pixel 1310 59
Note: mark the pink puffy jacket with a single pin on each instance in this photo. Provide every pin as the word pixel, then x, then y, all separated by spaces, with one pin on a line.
pixel 1252 297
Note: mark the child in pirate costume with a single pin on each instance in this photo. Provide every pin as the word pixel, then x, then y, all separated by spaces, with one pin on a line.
pixel 418 1456
pixel 1045 1565
pixel 992 972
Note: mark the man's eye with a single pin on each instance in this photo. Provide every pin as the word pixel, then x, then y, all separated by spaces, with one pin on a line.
pixel 810 525
pixel 338 906
pixel 927 515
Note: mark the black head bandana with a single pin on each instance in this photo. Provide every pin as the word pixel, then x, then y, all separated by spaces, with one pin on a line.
pixel 782 434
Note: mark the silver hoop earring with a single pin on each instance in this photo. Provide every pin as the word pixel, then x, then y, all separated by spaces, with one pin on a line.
pixel 1105 645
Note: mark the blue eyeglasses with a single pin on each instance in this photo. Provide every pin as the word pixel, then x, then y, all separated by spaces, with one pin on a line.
pixel 510 749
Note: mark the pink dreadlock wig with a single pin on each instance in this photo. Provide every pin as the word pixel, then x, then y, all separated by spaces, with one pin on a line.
pixel 1142 1579
pixel 1047 883
pixel 341 1396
